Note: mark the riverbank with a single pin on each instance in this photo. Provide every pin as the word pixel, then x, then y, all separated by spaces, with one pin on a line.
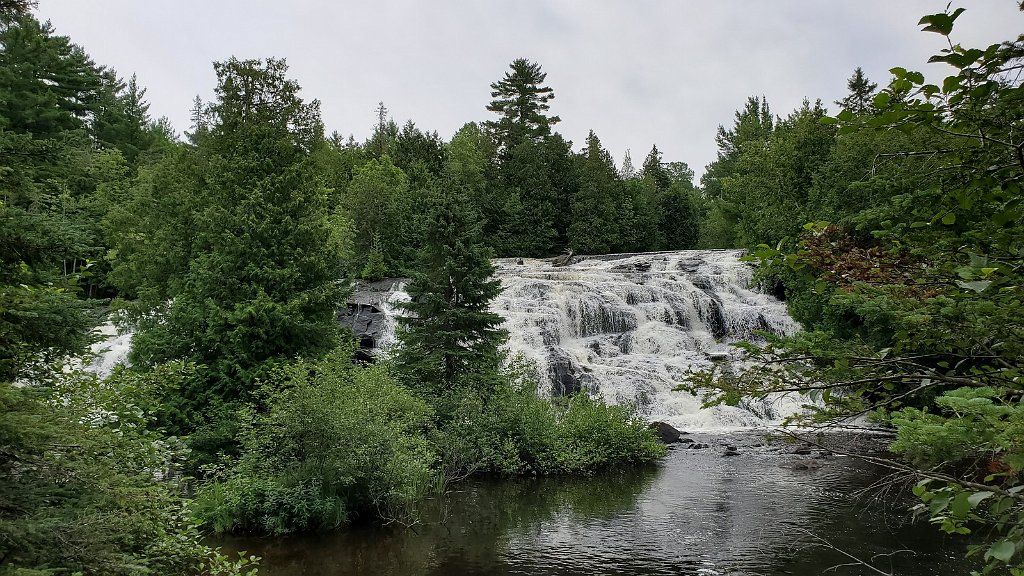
pixel 764 511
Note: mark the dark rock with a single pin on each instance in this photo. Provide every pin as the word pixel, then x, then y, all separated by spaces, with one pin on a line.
pixel 366 322
pixel 563 260
pixel 802 450
pixel 633 268
pixel 731 451
pixel 519 261
pixel 665 432
pixel 567 378
pixel 686 440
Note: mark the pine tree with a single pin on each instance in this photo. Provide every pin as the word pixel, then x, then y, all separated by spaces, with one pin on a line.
pixel 628 171
pixel 521 100
pixel 654 171
pixel 862 91
pixel 48 90
pixel 450 337
pixel 375 268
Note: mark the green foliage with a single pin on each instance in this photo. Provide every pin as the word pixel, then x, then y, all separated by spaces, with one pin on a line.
pixel 258 276
pixel 915 296
pixel 594 228
pixel 86 485
pixel 974 423
pixel 449 335
pixel 374 200
pixel 375 268
pixel 338 441
pixel 517 432
pixel 521 101
pixel 862 93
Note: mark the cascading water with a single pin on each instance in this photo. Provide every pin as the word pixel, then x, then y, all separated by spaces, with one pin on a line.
pixel 629 327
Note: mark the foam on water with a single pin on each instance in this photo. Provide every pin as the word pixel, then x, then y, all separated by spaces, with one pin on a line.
pixel 110 351
pixel 630 327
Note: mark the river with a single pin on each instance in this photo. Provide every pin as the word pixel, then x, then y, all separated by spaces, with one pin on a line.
pixel 764 512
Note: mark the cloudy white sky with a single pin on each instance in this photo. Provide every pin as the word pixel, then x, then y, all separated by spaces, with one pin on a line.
pixel 637 72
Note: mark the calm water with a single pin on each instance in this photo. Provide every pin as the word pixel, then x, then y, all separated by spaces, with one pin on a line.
pixel 699 513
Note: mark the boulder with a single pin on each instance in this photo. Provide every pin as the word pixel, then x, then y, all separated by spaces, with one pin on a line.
pixel 665 432
pixel 731 451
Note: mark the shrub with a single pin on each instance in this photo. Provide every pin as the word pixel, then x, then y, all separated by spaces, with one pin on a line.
pixel 514 431
pixel 338 442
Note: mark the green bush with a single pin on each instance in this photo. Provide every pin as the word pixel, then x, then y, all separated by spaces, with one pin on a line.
pixel 87 486
pixel 338 441
pixel 513 431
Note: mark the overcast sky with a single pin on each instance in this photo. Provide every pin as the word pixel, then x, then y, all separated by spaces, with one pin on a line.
pixel 637 72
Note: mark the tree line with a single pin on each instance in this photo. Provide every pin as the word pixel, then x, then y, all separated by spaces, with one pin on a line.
pixel 892 229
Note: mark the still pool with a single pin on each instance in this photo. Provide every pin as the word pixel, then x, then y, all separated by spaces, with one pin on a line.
pixel 765 512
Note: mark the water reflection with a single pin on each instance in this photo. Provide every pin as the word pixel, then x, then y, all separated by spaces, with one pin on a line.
pixel 698 513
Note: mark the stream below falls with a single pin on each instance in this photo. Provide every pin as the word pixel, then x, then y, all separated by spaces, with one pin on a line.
pixel 764 512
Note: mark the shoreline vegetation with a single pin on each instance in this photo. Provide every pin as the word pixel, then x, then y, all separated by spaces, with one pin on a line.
pixel 893 230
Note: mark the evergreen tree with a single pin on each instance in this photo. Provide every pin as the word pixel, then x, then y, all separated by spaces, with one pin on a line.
pixel 594 228
pixel 375 201
pixel 521 100
pixel 419 154
pixel 677 208
pixel 385 133
pixel 678 220
pixel 123 121
pixel 752 126
pixel 375 268
pixel 862 91
pixel 529 197
pixel 262 281
pixel 450 337
pixel 628 171
pixel 469 165
pixel 48 89
pixel 654 171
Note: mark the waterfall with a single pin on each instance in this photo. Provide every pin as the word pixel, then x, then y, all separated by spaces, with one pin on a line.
pixel 631 326
pixel 628 327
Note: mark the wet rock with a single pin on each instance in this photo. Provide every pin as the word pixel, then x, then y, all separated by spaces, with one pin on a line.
pixel 802 450
pixel 686 440
pixel 632 267
pixel 567 377
pixel 731 451
pixel 367 323
pixel 665 432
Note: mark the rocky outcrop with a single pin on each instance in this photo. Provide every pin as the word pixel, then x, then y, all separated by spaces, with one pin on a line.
pixel 367 323
pixel 567 378
pixel 364 316
pixel 666 432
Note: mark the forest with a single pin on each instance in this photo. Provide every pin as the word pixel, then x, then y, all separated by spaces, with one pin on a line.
pixel 893 228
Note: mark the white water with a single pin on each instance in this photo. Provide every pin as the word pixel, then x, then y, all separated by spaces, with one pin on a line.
pixel 112 350
pixel 629 327
pixel 632 326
